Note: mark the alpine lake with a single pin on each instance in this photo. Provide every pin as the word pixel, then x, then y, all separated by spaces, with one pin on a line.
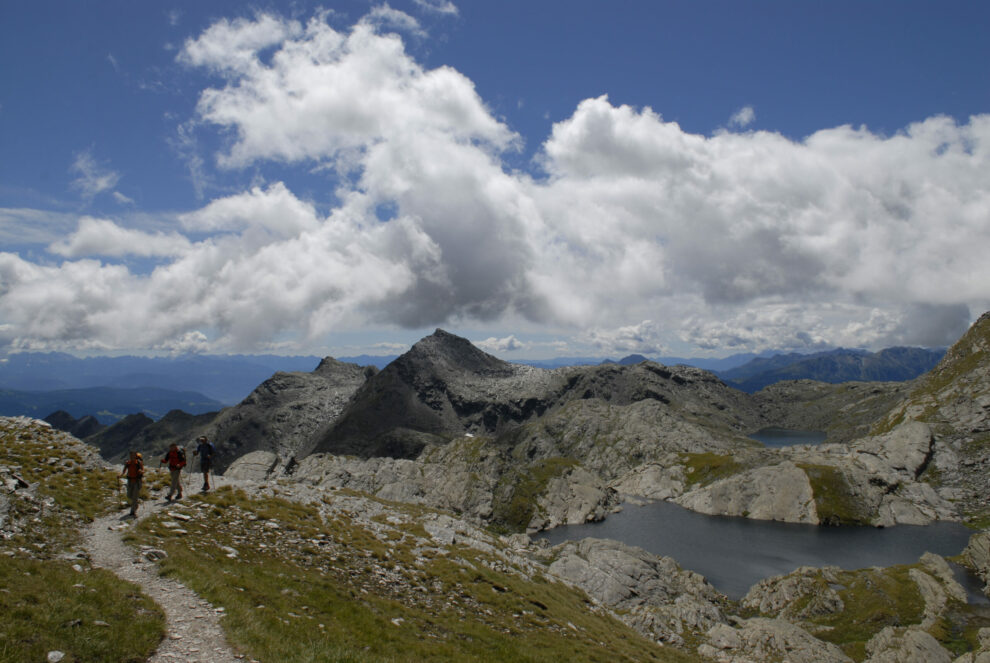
pixel 734 553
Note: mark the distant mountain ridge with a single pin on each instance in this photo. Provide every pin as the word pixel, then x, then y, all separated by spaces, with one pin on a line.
pixel 107 404
pixel 224 378
pixel 841 365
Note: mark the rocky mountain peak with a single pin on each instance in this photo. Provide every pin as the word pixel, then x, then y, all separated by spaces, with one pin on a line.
pixel 448 352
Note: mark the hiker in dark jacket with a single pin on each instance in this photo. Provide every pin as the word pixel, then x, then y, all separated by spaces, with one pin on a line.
pixel 134 471
pixel 205 452
pixel 176 460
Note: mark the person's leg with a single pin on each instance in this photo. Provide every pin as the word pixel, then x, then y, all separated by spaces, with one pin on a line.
pixel 174 487
pixel 133 490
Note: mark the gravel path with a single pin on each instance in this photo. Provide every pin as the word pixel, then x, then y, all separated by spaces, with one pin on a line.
pixel 193 628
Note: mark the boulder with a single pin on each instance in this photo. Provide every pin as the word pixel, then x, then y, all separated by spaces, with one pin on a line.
pixel 254 466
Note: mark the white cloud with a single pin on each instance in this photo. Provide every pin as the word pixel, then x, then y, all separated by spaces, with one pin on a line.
pixel 641 338
pixel 324 93
pixel 93 178
pixel 275 210
pixel 737 240
pixel 743 117
pixel 437 6
pixel 31 226
pixel 507 344
pixel 384 16
pixel 102 237
pixel 122 199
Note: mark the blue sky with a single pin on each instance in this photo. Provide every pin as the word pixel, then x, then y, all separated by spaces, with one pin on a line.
pixel 551 178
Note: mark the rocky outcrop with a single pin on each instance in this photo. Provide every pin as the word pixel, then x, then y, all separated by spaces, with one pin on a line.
pixel 652 594
pixel 977 557
pixel 954 399
pixel 820 600
pixel 780 492
pixel 286 411
pixel 763 639
pixel 911 645
pixel 872 481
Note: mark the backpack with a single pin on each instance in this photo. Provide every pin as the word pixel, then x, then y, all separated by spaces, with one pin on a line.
pixel 182 457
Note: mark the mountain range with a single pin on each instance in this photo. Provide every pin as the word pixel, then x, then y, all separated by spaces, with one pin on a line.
pixel 37 384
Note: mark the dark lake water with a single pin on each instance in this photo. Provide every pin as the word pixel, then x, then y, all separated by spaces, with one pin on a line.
pixel 784 437
pixel 735 553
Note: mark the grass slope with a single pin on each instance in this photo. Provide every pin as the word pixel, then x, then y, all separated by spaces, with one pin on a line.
pixel 47 602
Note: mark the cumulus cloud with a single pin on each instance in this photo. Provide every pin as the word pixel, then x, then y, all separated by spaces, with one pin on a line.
pixel 324 92
pixel 743 117
pixel 736 240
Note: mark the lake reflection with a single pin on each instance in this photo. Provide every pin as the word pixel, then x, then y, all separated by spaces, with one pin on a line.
pixel 734 553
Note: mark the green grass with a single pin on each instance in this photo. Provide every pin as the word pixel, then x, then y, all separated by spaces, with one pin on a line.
pixel 330 589
pixel 47 605
pixel 874 599
pixel 834 500
pixel 704 468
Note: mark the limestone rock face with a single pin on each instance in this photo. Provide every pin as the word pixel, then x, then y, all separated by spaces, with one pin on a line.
pixel 655 481
pixel 780 492
pixel 912 645
pixel 572 498
pixel 254 466
pixel 652 594
pixel 763 639
pixel 955 398
pixel 904 451
pixel 800 595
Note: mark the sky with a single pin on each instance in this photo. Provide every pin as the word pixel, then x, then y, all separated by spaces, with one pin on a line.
pixel 579 178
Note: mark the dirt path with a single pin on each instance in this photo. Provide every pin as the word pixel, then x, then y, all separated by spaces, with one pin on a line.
pixel 193 628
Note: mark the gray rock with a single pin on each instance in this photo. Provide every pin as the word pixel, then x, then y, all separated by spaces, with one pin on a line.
pixel 762 639
pixel 977 557
pixel 650 593
pixel 781 492
pixel 912 645
pixel 254 466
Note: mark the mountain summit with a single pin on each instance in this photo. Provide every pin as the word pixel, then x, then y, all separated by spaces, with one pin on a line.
pixel 442 387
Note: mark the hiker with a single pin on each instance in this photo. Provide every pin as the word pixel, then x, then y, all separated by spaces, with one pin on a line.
pixel 175 457
pixel 205 452
pixel 134 471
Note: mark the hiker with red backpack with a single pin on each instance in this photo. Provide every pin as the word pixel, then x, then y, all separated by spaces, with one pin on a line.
pixel 175 457
pixel 134 471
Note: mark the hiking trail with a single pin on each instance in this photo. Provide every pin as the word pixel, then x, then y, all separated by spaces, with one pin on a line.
pixel 193 632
